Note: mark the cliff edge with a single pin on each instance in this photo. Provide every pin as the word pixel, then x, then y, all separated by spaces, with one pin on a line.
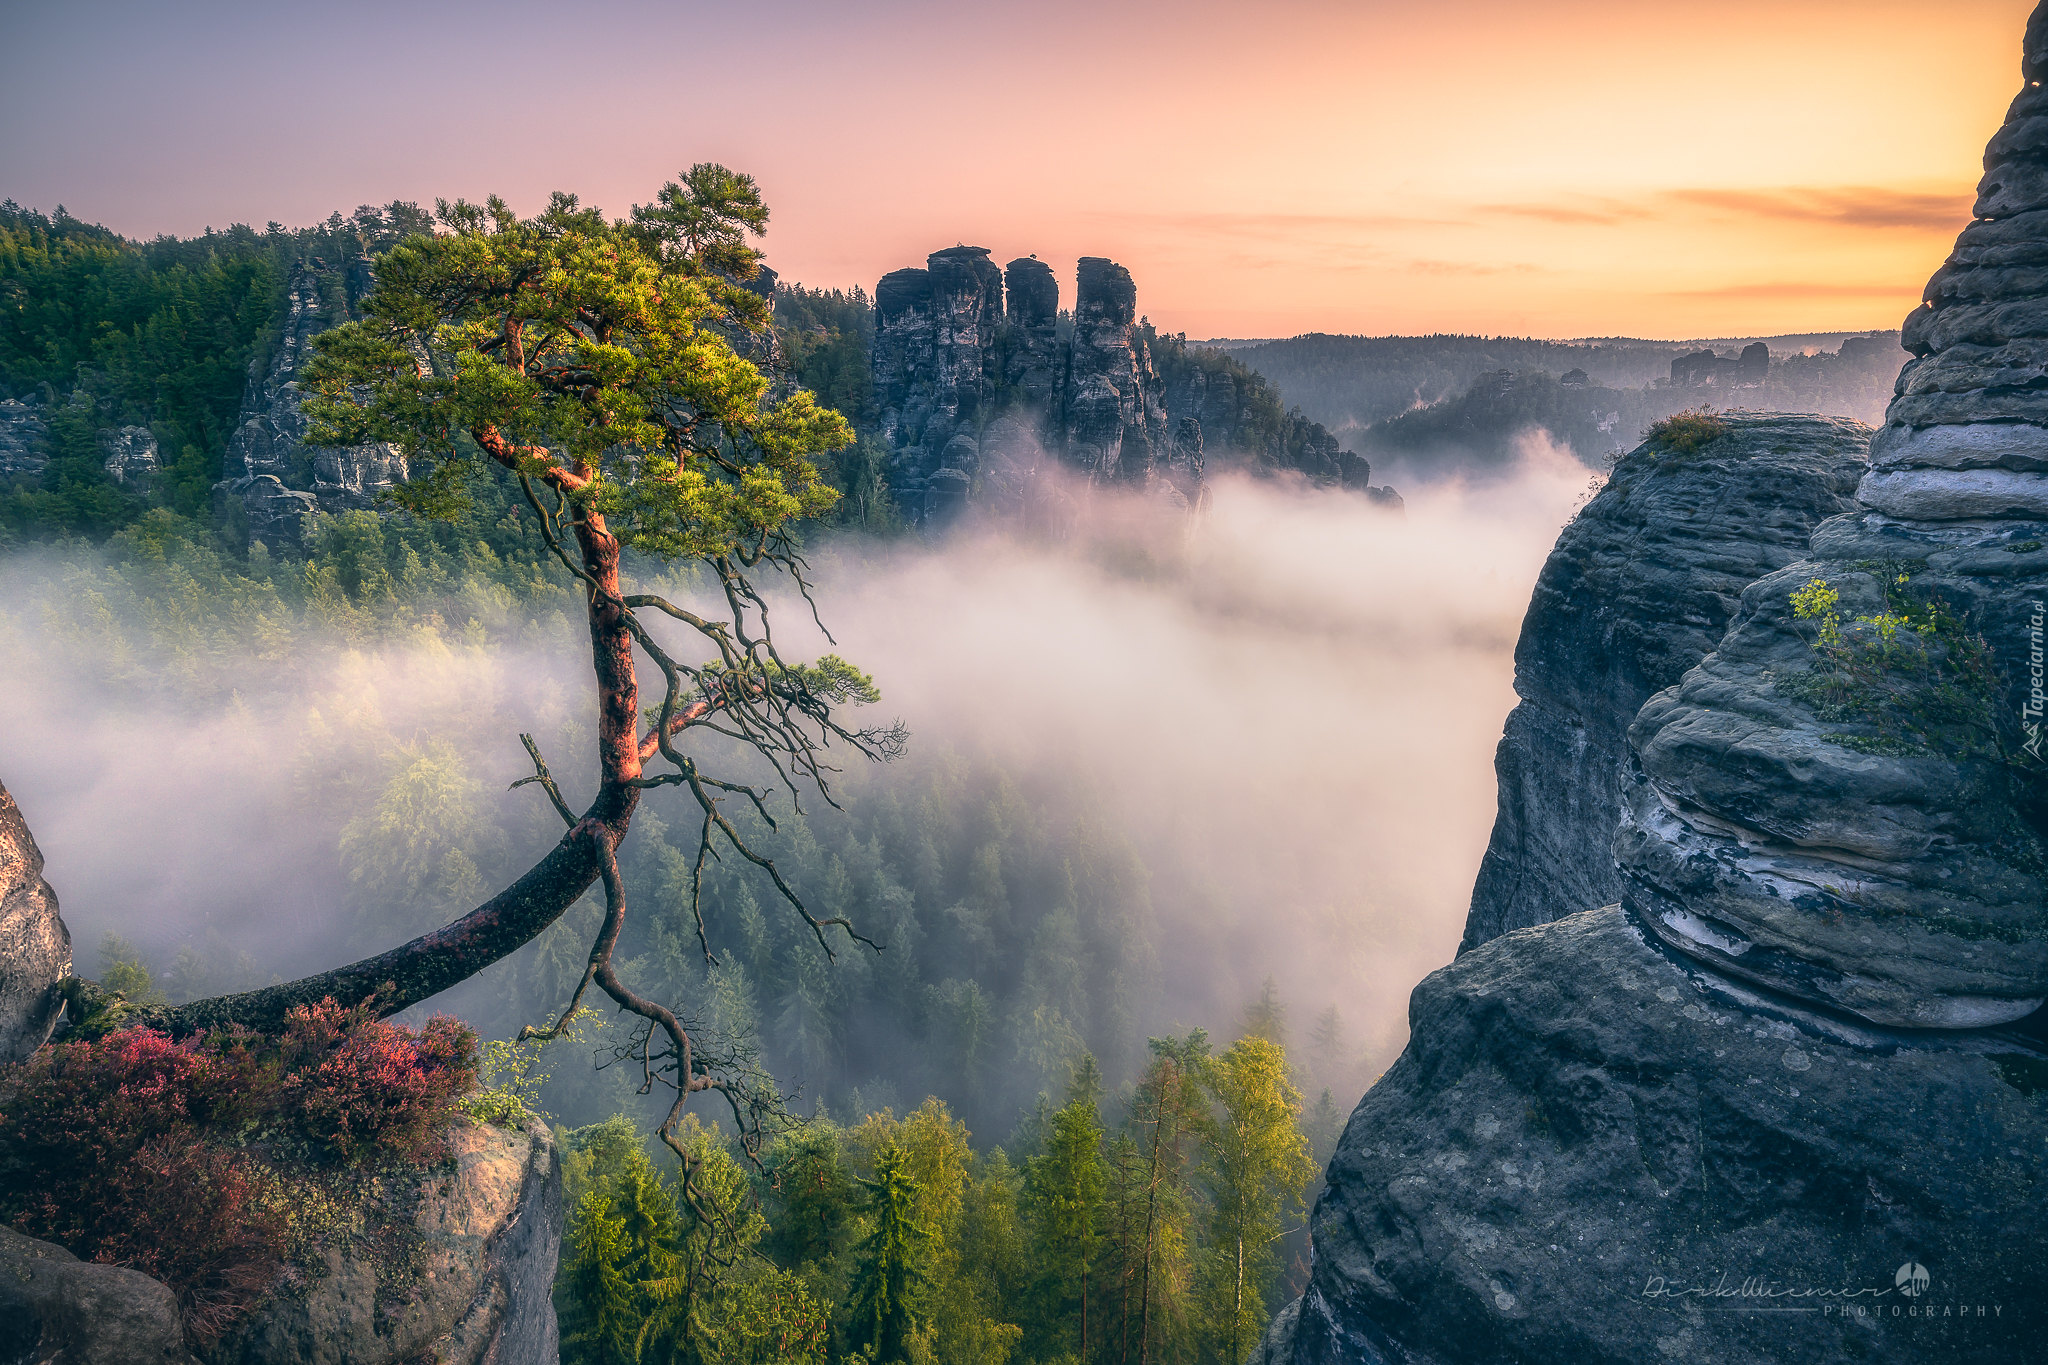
pixel 1788 1099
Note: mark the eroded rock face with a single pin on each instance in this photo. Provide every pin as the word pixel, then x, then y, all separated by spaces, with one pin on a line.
pixel 1903 882
pixel 982 400
pixel 267 456
pixel 1113 415
pixel 1867 828
pixel 56 1308
pixel 1033 361
pixel 1639 588
pixel 24 440
pixel 1967 435
pixel 1585 1127
pixel 471 1283
pixel 1802 1065
pixel 35 947
pixel 131 457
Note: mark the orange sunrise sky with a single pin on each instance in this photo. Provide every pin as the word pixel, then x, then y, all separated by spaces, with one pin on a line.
pixel 1568 169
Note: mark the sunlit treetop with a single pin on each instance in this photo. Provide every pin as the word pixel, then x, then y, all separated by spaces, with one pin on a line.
pixel 589 355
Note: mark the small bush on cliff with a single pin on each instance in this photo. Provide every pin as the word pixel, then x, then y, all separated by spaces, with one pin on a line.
pixel 1913 673
pixel 180 1158
pixel 1686 432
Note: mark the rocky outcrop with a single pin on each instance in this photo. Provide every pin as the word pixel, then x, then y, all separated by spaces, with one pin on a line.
pixel 1847 802
pixel 1594 1151
pixel 35 947
pixel 983 388
pixel 1034 362
pixel 1113 414
pixel 1788 1100
pixel 55 1308
pixel 1640 587
pixel 465 1279
pixel 272 477
pixel 456 1266
pixel 131 459
pixel 24 440
pixel 1967 435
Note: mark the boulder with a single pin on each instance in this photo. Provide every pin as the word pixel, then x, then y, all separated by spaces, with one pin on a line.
pixel 1640 586
pixel 471 1282
pixel 1815 849
pixel 58 1309
pixel 35 947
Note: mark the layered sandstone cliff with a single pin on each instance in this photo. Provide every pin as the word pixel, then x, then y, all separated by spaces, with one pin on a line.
pixel 1640 587
pixel 1787 1100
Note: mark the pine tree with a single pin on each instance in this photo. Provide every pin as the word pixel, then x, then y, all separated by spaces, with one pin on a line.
pixel 813 1198
pixel 1323 1126
pixel 1266 1017
pixel 1329 1051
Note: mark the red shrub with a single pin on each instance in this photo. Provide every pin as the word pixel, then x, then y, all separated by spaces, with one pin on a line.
pixel 106 1152
pixel 132 1149
pixel 364 1086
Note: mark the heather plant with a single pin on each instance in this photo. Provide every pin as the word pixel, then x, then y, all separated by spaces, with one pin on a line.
pixel 368 1087
pixel 186 1158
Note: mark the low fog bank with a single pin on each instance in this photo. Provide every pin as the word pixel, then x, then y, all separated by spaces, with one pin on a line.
pixel 1296 724
pixel 1290 718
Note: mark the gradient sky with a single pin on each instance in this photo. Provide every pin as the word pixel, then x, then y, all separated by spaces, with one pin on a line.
pixel 1587 167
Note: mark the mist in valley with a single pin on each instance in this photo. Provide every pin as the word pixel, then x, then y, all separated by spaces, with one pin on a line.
pixel 1258 750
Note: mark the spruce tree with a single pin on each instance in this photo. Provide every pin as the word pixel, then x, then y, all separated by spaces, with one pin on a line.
pixel 882 1312
pixel 1064 1187
pixel 600 1305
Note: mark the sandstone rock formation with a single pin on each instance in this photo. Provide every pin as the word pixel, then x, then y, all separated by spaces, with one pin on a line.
pixel 1866 825
pixel 1594 1152
pixel 464 1275
pixel 131 457
pixel 983 388
pixel 1788 1100
pixel 1640 587
pixel 24 438
pixel 35 947
pixel 1113 414
pixel 473 1285
pixel 57 1308
pixel 272 477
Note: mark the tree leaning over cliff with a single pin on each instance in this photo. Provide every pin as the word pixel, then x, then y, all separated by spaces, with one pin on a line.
pixel 591 361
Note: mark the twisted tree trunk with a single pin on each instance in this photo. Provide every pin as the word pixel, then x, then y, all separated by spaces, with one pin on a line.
pixel 433 962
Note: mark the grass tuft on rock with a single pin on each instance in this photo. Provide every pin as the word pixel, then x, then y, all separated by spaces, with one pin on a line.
pixel 1688 431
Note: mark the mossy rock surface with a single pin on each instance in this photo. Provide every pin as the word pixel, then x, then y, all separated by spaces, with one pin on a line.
pixel 452 1262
